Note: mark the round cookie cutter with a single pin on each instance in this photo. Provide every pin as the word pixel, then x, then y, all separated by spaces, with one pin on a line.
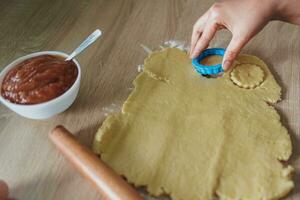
pixel 205 69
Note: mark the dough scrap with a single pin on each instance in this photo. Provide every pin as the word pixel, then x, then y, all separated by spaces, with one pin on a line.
pixel 247 75
pixel 193 137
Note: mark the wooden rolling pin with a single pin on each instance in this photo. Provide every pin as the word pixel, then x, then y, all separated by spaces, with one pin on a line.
pixel 103 178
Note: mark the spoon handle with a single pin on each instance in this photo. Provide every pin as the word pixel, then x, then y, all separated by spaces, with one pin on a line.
pixel 87 42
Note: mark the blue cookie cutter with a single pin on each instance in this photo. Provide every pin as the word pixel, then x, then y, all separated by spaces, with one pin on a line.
pixel 208 70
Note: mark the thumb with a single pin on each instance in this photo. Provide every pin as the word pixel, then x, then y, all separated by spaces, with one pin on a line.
pixel 234 48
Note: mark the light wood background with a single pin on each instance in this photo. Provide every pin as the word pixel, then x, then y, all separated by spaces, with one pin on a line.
pixel 28 161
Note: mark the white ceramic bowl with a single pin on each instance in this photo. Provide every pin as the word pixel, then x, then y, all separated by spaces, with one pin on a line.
pixel 49 108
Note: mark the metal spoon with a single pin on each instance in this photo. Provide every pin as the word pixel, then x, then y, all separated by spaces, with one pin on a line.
pixel 87 42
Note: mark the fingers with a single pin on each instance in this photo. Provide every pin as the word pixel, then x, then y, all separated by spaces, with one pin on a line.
pixel 206 36
pixel 198 29
pixel 195 37
pixel 232 51
pixel 3 190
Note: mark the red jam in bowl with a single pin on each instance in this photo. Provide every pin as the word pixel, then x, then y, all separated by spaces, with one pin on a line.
pixel 38 79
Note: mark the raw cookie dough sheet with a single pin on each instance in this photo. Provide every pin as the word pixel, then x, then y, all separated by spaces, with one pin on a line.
pixel 193 137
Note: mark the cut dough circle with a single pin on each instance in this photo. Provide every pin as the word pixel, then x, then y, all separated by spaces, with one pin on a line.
pixel 247 75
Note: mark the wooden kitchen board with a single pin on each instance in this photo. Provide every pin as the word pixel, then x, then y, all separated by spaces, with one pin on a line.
pixel 28 161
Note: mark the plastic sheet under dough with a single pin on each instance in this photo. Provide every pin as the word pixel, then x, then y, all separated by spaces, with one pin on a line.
pixel 197 138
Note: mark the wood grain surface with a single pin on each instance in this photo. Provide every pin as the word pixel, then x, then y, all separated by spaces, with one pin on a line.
pixel 29 162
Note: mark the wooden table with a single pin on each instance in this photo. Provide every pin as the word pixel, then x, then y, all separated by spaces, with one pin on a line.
pixel 28 161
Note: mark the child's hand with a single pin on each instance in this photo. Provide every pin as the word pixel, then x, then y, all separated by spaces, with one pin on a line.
pixel 3 190
pixel 243 19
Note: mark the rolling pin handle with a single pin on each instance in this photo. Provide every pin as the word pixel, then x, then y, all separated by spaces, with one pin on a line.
pixel 103 178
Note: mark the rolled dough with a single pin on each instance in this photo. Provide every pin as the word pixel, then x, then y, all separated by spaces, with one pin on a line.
pixel 193 137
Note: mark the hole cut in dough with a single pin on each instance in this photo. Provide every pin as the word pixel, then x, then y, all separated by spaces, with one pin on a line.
pixel 247 76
